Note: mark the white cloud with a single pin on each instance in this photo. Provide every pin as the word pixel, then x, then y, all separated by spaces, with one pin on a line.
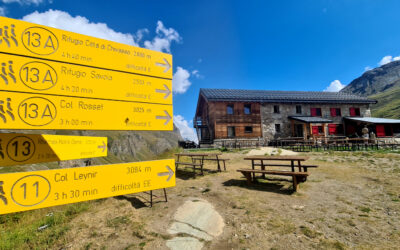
pixel 335 86
pixel 24 2
pixel 388 59
pixel 367 68
pixel 3 11
pixel 196 74
pixel 180 81
pixel 187 131
pixel 63 20
pixel 164 38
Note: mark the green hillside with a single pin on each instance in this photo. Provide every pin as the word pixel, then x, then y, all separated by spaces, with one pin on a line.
pixel 388 105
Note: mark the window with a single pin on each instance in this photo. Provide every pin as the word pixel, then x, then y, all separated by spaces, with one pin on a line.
pixel 248 129
pixel 317 130
pixel 354 111
pixel 231 132
pixel 316 112
pixel 247 109
pixel 335 129
pixel 298 109
pixel 336 112
pixel 229 109
pixel 276 109
pixel 277 128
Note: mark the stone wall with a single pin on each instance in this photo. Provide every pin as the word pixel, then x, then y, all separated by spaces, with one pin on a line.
pixel 269 118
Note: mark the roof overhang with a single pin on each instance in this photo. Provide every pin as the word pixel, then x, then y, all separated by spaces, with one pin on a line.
pixel 373 120
pixel 310 119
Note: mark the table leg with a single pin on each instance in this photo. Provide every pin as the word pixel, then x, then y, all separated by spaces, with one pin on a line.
pixel 219 166
pixel 295 183
pixel 299 164
pixel 262 168
pixel 202 163
pixel 292 164
pixel 252 166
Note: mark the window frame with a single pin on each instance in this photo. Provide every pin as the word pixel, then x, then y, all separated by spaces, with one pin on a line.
pixel 276 109
pixel 248 132
pixel 357 112
pixel 336 112
pixel 298 107
pixel 249 108
pixel 230 106
pixel 278 128
pixel 316 112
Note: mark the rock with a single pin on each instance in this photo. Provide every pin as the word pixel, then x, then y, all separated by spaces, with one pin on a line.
pixel 183 243
pixel 200 215
pixel 178 227
pixel 197 218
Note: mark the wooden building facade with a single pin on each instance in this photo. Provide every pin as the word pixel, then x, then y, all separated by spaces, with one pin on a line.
pixel 225 114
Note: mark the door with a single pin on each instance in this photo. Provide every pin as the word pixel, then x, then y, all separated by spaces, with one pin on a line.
pixel 380 130
pixel 231 132
pixel 299 130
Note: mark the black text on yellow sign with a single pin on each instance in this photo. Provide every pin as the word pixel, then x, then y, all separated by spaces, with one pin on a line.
pixel 16 149
pixel 24 74
pixel 39 189
pixel 31 111
pixel 28 39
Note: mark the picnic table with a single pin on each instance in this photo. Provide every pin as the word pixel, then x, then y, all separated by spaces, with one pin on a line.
pixel 197 160
pixel 294 163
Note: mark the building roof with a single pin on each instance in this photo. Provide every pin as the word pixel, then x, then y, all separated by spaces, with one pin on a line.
pixel 310 119
pixel 374 120
pixel 268 96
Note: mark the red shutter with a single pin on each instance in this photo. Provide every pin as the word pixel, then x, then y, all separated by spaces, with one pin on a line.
pixel 380 130
pixel 313 112
pixel 333 112
pixel 352 112
pixel 332 129
pixel 315 130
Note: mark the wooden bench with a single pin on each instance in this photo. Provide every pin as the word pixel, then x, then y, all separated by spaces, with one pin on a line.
pixel 304 167
pixel 193 164
pixel 296 176
pixel 212 159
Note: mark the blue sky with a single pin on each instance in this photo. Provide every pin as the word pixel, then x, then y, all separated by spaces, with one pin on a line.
pixel 272 45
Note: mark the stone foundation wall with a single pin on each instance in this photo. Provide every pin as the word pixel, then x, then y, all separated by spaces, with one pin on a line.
pixel 269 118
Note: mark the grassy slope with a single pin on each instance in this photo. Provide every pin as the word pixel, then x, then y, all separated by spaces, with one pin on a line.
pixel 388 105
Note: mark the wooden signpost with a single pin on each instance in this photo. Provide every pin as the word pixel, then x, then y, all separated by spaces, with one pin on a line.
pixel 56 79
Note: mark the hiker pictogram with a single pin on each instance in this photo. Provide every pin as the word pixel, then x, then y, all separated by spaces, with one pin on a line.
pixel 8 112
pixel 2 193
pixel 4 35
pixel 7 72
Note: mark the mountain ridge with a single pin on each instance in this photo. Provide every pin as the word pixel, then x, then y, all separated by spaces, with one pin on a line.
pixel 382 84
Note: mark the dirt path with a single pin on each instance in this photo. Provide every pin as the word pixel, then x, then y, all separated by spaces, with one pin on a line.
pixel 350 201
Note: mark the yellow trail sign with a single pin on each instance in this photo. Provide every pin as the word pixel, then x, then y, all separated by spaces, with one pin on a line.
pixel 24 74
pixel 28 39
pixel 39 189
pixel 16 149
pixel 32 111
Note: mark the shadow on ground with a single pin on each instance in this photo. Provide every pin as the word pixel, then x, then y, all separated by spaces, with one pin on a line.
pixel 186 174
pixel 261 185
pixel 143 199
